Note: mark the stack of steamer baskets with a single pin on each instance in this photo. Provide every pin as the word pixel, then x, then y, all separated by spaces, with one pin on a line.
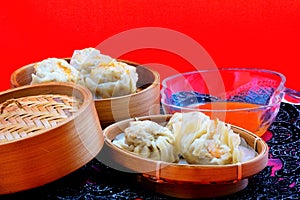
pixel 80 143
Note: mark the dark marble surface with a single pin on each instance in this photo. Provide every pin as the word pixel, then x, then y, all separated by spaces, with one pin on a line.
pixel 279 180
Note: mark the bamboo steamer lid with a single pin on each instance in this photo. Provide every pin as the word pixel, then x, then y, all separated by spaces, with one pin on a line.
pixel 46 132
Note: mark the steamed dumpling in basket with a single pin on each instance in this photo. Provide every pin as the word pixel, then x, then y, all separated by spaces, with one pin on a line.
pixel 54 70
pixel 205 141
pixel 149 140
pixel 111 79
pixel 104 76
pixel 85 60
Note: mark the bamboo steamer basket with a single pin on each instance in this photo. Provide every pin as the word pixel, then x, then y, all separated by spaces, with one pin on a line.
pixel 184 180
pixel 46 132
pixel 146 101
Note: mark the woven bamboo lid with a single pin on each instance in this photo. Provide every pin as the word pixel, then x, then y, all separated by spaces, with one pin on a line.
pixel 46 132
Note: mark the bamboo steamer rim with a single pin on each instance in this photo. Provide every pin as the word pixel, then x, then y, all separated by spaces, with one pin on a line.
pixel 27 119
pixel 56 151
pixel 166 172
pixel 84 104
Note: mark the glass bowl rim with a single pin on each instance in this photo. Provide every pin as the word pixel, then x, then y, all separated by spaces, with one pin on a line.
pixel 280 88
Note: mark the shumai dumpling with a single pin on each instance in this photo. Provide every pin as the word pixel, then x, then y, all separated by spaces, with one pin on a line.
pixel 85 60
pixel 54 70
pixel 204 141
pixel 149 140
pixel 111 79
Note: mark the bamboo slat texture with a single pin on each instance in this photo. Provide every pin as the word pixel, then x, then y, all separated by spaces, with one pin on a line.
pixel 46 132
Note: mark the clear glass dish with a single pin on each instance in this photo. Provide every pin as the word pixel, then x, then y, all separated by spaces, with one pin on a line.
pixel 246 97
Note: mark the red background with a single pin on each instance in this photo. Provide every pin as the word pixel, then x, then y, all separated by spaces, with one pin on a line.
pixel 249 33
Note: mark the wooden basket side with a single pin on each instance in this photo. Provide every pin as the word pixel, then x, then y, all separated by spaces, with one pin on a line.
pixel 57 152
pixel 22 76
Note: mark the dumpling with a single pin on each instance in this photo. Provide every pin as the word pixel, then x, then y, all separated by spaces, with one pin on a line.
pixel 149 140
pixel 111 80
pixel 104 76
pixel 85 60
pixel 54 70
pixel 201 140
pixel 186 126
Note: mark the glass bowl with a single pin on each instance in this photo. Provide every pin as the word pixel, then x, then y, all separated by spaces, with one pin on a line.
pixel 246 97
